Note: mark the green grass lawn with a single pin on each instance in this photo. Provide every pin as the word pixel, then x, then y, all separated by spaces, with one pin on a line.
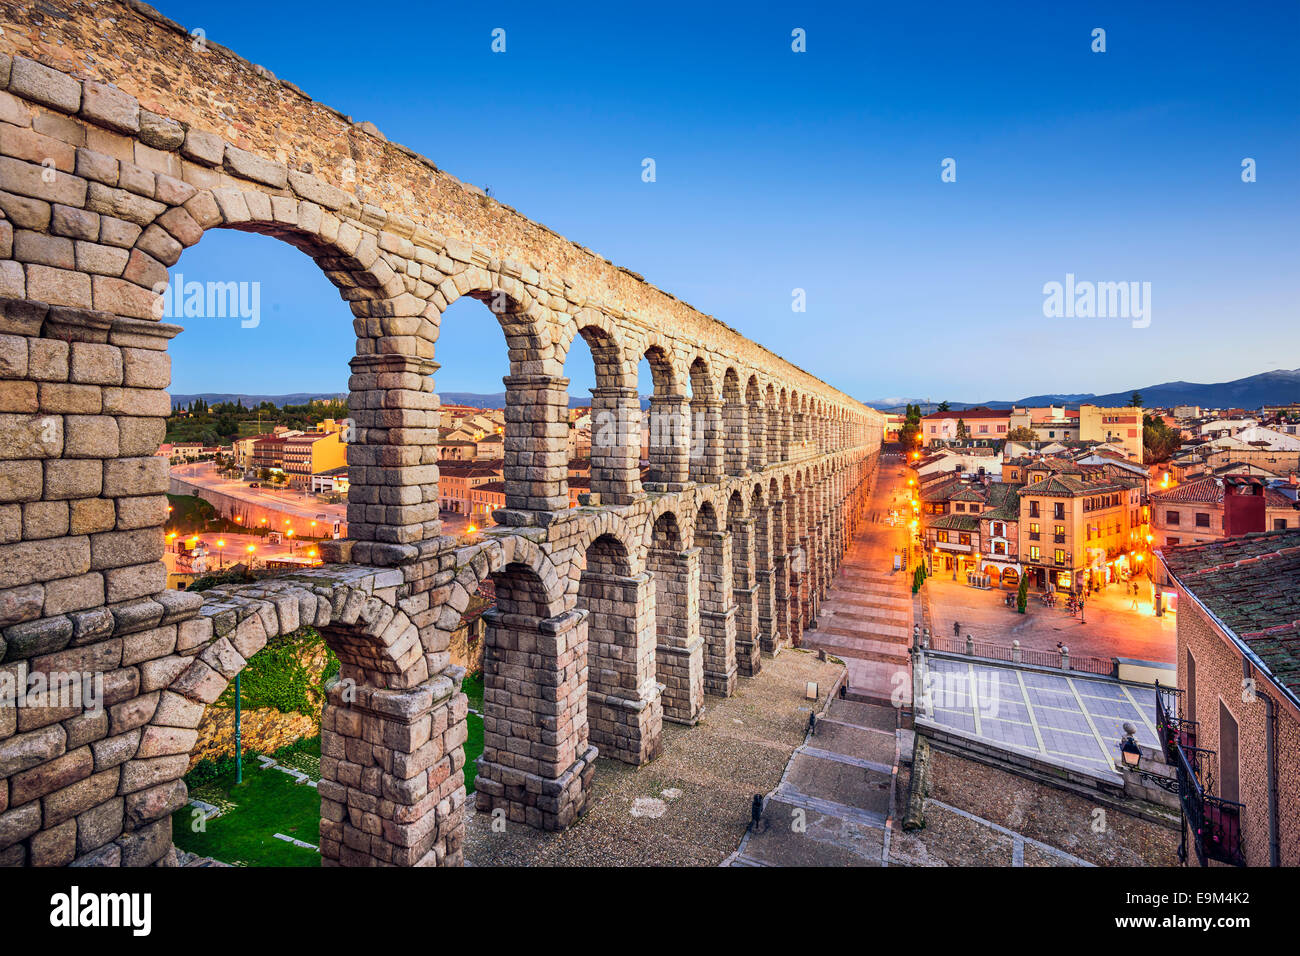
pixel 472 687
pixel 473 748
pixel 266 803
pixel 270 802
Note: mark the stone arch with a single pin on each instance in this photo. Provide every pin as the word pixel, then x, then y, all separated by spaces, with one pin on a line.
pixel 706 424
pixel 615 410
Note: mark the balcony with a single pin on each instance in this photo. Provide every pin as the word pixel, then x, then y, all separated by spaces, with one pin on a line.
pixel 1058 538
pixel 1215 823
pixel 1035 536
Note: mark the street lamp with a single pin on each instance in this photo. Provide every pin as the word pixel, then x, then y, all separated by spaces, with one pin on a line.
pixel 1129 748
pixel 221 544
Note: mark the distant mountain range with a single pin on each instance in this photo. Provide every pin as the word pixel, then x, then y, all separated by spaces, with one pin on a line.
pixel 1267 388
pixel 495 400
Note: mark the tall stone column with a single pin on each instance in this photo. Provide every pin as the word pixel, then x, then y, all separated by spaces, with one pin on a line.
pixel 679 653
pixel 536 446
pixel 706 449
pixel 615 445
pixel 625 706
pixel 670 437
pixel 799 435
pixel 769 628
pixel 781 627
pixel 736 425
pixel 537 763
pixel 718 613
pixel 392 785
pixel 757 435
pixel 745 591
pixel 775 416
pixel 392 456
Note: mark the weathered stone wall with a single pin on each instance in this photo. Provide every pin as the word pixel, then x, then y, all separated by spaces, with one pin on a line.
pixel 121 143
pixel 263 729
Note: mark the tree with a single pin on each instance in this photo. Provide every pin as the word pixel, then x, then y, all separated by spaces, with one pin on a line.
pixel 1022 594
pixel 943 407
pixel 1022 433
pixel 1135 400
pixel 1159 441
pixel 963 432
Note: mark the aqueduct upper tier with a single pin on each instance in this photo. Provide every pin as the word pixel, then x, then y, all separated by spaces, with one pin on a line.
pixel 123 139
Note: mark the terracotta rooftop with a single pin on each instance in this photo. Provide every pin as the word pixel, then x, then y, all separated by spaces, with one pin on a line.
pixel 1249 584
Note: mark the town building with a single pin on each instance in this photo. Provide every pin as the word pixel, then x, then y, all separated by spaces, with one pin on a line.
pixel 977 423
pixel 311 453
pixel 1077 533
pixel 1233 727
pixel 458 479
pixel 1213 507
pixel 1120 425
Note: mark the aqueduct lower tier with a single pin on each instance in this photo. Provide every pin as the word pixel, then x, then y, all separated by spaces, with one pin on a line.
pixel 122 141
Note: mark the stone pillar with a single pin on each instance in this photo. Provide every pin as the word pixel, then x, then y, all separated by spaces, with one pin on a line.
pixel 774 430
pixel 625 707
pixel 706 449
pixel 785 436
pixel 745 593
pixel 615 445
pixel 392 785
pixel 679 655
pixel 717 613
pixel 799 435
pixel 757 436
pixel 536 446
pixel 769 629
pixel 737 454
pixel 537 763
pixel 781 623
pixel 669 443
pixel 392 457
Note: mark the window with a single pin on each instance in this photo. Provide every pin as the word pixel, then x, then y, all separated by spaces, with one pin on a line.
pixel 1169 540
pixel 1191 688
pixel 1058 511
pixel 1033 510
pixel 1171 517
pixel 959 506
pixel 1202 519
pixel 964 539
pixel 1060 556
pixel 1279 524
pixel 1229 786
pixel 1034 552
pixel 999 547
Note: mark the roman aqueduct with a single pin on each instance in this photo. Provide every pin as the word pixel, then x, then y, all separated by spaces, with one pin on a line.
pixel 124 139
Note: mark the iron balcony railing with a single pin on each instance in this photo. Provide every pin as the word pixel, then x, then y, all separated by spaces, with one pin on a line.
pixel 1215 822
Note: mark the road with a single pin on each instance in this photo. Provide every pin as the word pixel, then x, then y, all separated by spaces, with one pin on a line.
pixel 297 504
pixel 866 619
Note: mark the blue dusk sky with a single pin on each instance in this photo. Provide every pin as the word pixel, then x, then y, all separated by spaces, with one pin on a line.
pixel 821 170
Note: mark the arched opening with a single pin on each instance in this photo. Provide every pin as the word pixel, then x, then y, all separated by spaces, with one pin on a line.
pixel 679 653
pixel 625 713
pixel 756 412
pixel 257 441
pixel 604 438
pixel 665 431
pixel 705 425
